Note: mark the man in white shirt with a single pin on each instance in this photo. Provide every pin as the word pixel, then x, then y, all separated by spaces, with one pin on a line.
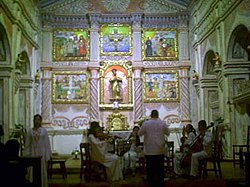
pixel 154 131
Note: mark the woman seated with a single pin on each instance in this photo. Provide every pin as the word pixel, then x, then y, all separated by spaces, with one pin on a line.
pixel 99 153
pixel 188 136
pixel 132 156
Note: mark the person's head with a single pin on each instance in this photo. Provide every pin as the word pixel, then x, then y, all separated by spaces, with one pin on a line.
pixel 37 120
pixel 154 114
pixel 136 129
pixel 114 71
pixel 94 127
pixel 202 125
pixel 190 128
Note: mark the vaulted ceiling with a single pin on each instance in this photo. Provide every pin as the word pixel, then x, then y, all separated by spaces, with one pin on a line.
pixel 112 6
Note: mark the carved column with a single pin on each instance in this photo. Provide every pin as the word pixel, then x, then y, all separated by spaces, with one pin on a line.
pixel 184 95
pixel 136 26
pixel 138 92
pixel 183 44
pixel 94 38
pixel 94 109
pixel 46 96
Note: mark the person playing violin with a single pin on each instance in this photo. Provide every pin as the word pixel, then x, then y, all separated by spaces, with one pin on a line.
pixel 188 136
pixel 99 152
pixel 206 138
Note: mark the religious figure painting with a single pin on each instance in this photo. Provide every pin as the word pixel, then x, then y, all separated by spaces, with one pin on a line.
pixel 115 40
pixel 69 87
pixel 70 45
pixel 160 86
pixel 160 44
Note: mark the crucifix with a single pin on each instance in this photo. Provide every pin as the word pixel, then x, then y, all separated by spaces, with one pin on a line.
pixel 115 37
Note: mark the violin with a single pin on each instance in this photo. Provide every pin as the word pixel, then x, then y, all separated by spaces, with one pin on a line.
pixel 196 146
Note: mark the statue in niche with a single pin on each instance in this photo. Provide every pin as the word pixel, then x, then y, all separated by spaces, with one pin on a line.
pixel 115 85
pixel 20 61
pixel 238 51
pixel 37 76
pixel 217 59
pixel 195 77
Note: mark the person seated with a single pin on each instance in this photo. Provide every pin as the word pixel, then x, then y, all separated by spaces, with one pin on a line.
pixel 132 156
pixel 14 165
pixel 99 153
pixel 206 138
pixel 188 136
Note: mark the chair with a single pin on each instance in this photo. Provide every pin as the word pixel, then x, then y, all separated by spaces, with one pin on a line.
pixel 62 167
pixel 239 150
pixel 169 158
pixel 215 158
pixel 90 169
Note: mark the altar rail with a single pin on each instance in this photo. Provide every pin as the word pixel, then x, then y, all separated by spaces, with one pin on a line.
pixel 66 141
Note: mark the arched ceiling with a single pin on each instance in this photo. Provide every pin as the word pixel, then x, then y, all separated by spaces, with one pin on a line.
pixel 62 7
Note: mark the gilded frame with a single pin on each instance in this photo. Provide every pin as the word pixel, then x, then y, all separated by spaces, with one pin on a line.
pixel 115 40
pixel 124 71
pixel 70 87
pixel 161 86
pixel 70 45
pixel 160 44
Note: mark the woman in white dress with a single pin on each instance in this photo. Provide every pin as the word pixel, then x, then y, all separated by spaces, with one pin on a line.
pixel 37 144
pixel 132 156
pixel 187 141
pixel 99 153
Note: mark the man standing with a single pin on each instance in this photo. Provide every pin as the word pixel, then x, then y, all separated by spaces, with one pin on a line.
pixel 154 131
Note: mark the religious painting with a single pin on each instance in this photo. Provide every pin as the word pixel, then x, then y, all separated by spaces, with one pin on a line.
pixel 160 86
pixel 160 44
pixel 69 87
pixel 115 40
pixel 115 85
pixel 70 45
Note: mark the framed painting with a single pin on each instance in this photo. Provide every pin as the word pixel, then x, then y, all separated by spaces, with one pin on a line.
pixel 70 45
pixel 69 87
pixel 160 86
pixel 115 40
pixel 160 44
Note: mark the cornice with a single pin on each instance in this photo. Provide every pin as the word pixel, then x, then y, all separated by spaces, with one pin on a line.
pixel 20 24
pixel 218 11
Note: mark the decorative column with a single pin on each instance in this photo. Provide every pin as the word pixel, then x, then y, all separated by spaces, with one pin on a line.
pixel 138 92
pixel 46 96
pixel 184 95
pixel 94 38
pixel 94 109
pixel 137 64
pixel 183 44
pixel 136 26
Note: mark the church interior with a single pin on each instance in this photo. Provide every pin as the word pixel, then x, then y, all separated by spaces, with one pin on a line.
pixel 114 61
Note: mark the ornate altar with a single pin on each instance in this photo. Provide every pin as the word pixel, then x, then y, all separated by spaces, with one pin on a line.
pixel 117 121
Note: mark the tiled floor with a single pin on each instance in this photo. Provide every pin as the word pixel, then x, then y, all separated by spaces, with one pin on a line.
pixel 73 170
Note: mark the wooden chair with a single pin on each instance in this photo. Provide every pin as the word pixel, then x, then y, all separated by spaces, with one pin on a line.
pixel 215 158
pixel 89 168
pixel 239 150
pixel 169 158
pixel 62 167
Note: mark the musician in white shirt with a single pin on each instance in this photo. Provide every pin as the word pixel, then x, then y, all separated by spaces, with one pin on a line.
pixel 207 138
